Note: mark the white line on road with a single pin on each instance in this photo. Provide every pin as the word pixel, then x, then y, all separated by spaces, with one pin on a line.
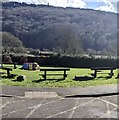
pixel 71 114
pixel 7 103
pixel 71 109
pixel 38 106
pixel 115 105
pixel 32 106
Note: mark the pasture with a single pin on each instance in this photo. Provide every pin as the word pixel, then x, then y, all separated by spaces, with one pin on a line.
pixel 34 79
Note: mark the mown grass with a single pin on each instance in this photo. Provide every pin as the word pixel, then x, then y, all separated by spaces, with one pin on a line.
pixel 34 79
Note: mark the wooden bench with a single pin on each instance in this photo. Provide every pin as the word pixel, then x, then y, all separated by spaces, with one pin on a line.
pixel 54 69
pixel 99 69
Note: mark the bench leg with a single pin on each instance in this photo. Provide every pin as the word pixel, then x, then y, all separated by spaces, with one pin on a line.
pixel 44 75
pixel 8 73
pixel 64 74
pixel 111 73
pixel 15 66
pixel 95 73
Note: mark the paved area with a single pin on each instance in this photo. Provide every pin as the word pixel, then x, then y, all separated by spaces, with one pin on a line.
pixel 98 107
pixel 62 91
pixel 55 104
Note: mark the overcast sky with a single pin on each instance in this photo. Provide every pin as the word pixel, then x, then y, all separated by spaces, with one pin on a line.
pixel 104 5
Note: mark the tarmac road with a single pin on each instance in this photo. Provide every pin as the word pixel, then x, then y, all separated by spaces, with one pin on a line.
pixel 59 107
pixel 81 107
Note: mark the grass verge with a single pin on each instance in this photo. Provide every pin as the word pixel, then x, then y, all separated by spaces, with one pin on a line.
pixel 34 79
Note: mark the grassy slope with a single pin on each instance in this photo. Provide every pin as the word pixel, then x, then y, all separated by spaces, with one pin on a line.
pixel 34 79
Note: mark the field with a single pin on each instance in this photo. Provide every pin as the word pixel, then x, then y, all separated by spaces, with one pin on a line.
pixel 34 79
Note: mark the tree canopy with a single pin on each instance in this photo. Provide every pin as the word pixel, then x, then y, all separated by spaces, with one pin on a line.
pixel 10 43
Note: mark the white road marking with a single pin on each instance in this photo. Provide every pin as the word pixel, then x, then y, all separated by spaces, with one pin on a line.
pixel 32 107
pixel 108 113
pixel 13 101
pixel 115 105
pixel 38 106
pixel 71 114
pixel 7 103
pixel 71 109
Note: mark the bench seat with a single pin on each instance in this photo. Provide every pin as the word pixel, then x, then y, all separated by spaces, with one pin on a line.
pixel 54 75
pixel 104 73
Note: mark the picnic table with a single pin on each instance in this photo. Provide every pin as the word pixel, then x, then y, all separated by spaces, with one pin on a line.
pixel 99 69
pixel 54 69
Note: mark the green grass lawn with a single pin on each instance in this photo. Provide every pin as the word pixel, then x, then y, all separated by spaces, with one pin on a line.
pixel 34 79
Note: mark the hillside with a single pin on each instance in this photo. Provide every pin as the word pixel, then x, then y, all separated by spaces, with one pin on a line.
pixel 65 30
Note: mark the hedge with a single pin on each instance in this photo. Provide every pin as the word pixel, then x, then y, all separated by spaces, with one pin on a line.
pixel 68 61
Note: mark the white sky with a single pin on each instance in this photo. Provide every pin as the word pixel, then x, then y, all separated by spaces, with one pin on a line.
pixel 106 6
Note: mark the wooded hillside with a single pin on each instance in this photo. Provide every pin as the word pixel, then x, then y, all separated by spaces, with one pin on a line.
pixel 65 30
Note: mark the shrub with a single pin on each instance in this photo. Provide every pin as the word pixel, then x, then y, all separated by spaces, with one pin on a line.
pixel 7 59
